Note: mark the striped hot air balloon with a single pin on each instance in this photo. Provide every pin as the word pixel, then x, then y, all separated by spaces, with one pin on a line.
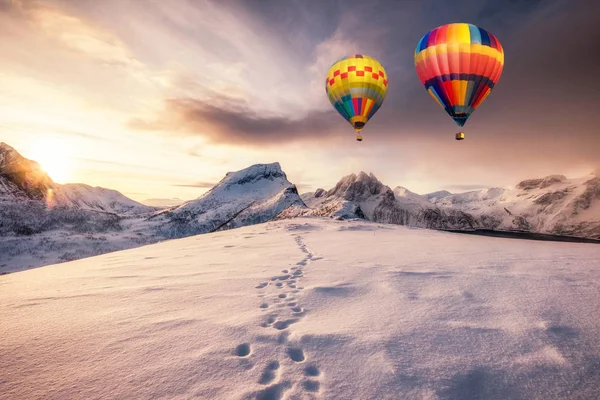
pixel 356 86
pixel 459 64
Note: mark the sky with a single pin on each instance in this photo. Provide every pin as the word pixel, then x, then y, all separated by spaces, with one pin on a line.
pixel 160 99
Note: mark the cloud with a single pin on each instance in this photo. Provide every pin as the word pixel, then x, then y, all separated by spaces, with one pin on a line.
pixel 213 75
pixel 225 121
pixel 69 31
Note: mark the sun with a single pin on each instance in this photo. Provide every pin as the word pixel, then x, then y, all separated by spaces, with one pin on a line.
pixel 53 156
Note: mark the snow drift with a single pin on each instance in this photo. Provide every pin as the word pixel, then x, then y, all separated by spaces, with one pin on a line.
pixel 307 309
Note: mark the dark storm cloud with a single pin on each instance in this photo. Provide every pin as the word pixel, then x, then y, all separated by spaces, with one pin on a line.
pixel 235 124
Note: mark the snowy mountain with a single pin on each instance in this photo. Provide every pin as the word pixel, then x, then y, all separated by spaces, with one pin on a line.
pixel 553 204
pixel 436 195
pixel 309 308
pixel 252 195
pixel 42 222
pixel 21 178
pixel 364 196
pixel 85 197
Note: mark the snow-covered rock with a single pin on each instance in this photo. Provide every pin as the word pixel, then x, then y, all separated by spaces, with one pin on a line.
pixel 554 204
pixel 252 195
pixel 364 196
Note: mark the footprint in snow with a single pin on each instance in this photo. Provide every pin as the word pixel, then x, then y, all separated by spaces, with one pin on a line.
pixel 281 325
pixel 264 305
pixel 312 370
pixel 283 337
pixel 242 350
pixel 296 354
pixel 274 392
pixel 270 373
pixel 285 271
pixel 269 321
pixel 261 285
pixel 282 296
pixel 311 384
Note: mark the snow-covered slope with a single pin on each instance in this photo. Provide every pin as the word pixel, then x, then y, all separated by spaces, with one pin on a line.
pixel 411 200
pixel 75 220
pixel 42 222
pixel 437 195
pixel 364 196
pixel 85 197
pixel 553 204
pixel 250 196
pixel 308 309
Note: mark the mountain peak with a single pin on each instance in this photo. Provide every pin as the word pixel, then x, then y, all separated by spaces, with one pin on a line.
pixel 5 147
pixel 254 173
pixel 437 195
pixel 353 187
pixel 25 175
pixel 251 195
pixel 541 183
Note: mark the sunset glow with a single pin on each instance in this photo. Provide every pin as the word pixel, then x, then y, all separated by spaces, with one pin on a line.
pixel 54 158
pixel 192 90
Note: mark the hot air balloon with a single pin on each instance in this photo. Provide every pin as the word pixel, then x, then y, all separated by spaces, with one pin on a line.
pixel 459 64
pixel 356 86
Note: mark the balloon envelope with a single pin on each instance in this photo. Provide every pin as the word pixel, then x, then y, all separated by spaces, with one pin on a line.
pixel 459 64
pixel 356 86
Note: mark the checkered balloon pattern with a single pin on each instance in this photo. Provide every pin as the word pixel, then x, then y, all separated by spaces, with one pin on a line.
pixel 356 86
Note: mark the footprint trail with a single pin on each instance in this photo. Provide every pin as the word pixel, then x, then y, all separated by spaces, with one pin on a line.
pixel 279 292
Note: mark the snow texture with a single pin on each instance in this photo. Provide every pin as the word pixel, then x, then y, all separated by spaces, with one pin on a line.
pixel 309 308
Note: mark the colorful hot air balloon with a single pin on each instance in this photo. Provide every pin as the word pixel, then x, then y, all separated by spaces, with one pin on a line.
pixel 356 86
pixel 459 64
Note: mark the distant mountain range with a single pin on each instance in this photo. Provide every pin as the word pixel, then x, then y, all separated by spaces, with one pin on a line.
pixel 552 205
pixel 42 222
